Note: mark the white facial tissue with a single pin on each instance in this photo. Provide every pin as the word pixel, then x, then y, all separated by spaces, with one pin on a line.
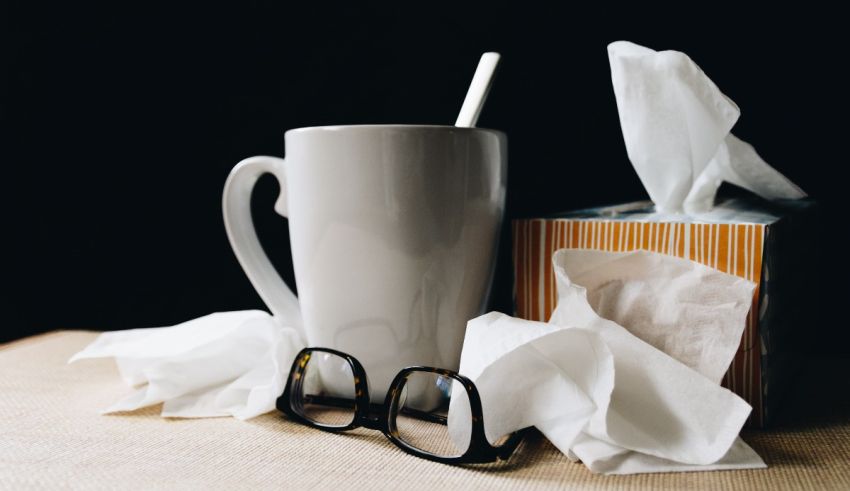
pixel 676 125
pixel 223 364
pixel 600 393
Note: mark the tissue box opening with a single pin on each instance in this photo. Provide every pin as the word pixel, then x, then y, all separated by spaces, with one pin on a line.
pixel 770 244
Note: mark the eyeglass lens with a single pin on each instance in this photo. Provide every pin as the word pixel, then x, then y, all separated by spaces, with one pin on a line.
pixel 422 415
pixel 327 390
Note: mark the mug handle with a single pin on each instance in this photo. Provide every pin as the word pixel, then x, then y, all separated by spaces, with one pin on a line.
pixel 236 207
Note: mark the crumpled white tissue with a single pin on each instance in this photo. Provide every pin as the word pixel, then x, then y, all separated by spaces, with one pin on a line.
pixel 692 312
pixel 597 391
pixel 676 125
pixel 223 364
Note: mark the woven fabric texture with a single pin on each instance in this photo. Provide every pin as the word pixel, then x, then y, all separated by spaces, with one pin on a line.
pixel 51 436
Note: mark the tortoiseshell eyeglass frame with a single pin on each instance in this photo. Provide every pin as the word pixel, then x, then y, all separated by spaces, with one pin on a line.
pixel 383 417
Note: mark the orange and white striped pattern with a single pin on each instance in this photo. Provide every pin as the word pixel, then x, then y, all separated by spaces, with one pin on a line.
pixel 731 248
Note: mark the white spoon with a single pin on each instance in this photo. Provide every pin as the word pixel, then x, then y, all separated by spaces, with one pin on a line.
pixel 478 90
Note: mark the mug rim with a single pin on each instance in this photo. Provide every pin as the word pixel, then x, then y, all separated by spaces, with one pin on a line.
pixel 340 127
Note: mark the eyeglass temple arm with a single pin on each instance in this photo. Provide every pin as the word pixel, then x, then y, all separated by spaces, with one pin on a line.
pixel 505 450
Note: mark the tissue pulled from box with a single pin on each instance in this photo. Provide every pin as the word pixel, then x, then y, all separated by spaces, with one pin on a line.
pixel 676 125
pixel 222 364
pixel 596 390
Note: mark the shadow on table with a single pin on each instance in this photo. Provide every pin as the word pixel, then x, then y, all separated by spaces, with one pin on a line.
pixel 812 425
pixel 818 396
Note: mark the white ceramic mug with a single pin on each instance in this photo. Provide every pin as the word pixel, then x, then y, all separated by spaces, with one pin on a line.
pixel 394 231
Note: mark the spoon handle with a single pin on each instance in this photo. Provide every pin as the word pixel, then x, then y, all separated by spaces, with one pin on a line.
pixel 478 90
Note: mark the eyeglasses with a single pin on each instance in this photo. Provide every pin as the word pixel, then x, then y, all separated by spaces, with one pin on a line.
pixel 327 389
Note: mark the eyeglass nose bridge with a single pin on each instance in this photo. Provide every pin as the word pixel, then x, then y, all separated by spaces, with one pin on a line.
pixel 378 423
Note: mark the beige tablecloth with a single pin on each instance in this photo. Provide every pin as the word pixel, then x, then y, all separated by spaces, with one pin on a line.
pixel 52 436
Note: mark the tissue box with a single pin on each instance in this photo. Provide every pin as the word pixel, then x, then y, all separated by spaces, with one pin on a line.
pixel 771 244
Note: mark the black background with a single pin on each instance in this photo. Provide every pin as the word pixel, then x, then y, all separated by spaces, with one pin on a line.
pixel 120 124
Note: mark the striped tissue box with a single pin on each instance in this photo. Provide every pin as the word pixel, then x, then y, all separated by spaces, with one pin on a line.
pixel 762 242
